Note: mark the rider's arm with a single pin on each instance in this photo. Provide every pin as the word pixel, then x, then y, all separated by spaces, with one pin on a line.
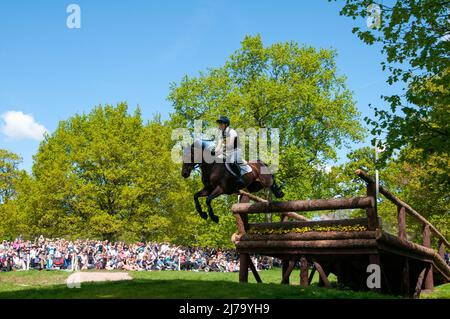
pixel 231 140
pixel 218 149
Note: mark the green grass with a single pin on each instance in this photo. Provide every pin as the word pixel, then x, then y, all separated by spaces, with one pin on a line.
pixel 172 284
pixel 440 292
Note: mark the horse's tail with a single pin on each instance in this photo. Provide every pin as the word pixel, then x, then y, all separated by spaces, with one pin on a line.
pixel 275 188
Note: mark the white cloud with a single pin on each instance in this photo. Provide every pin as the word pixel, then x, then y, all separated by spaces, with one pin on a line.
pixel 18 126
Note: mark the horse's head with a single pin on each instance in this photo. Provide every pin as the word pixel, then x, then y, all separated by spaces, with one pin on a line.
pixel 196 154
pixel 188 161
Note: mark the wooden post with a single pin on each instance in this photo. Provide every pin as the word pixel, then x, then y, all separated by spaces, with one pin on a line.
pixel 303 205
pixel 242 219
pixel 254 271
pixel 441 248
pixel 284 267
pixel 243 267
pixel 429 285
pixel 419 283
pixel 323 275
pixel 288 266
pixel 405 278
pixel 303 272
pixel 240 224
pixel 372 217
pixel 401 217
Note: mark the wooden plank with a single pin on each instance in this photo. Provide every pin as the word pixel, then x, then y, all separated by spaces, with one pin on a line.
pixel 340 243
pixel 404 244
pixel 302 205
pixel 303 271
pixel 287 272
pixel 284 216
pixel 290 252
pixel 310 236
pixel 399 202
pixel 321 223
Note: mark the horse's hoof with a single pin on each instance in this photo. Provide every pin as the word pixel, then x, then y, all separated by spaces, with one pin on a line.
pixel 215 219
pixel 279 194
pixel 203 215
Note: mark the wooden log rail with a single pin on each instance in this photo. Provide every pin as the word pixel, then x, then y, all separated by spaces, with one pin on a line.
pixel 302 205
pixel 242 209
pixel 292 240
pixel 427 230
pixel 285 216
pixel 402 208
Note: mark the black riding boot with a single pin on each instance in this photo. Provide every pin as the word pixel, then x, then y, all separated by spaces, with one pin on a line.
pixel 240 181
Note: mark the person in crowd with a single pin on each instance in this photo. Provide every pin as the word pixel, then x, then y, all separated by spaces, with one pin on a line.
pixel 50 254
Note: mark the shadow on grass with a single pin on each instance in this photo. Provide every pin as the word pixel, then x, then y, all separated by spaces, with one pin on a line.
pixel 184 289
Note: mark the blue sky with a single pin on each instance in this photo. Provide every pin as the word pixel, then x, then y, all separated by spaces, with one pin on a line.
pixel 132 50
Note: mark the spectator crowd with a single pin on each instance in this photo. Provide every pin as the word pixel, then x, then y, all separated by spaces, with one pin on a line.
pixel 47 254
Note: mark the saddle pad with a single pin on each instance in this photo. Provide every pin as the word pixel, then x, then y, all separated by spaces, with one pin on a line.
pixel 245 168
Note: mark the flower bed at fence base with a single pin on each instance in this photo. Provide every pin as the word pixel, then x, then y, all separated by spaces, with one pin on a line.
pixel 306 229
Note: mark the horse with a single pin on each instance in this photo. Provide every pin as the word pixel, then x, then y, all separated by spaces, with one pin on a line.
pixel 217 180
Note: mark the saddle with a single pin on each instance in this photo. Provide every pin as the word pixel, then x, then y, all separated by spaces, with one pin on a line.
pixel 245 169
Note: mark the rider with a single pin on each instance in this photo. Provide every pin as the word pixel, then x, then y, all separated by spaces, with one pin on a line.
pixel 228 148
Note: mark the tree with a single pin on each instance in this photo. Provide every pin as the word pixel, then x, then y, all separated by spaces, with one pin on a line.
pixel 107 175
pixel 9 174
pixel 286 86
pixel 415 37
pixel 12 181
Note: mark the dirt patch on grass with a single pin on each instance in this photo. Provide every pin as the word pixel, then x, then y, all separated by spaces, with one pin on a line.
pixel 80 277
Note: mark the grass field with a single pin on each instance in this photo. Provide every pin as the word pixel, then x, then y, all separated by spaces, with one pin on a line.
pixel 169 284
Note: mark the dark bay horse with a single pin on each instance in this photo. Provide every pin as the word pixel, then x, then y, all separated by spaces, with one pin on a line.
pixel 217 180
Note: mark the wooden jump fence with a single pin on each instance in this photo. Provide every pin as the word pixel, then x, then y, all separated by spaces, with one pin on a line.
pixel 406 267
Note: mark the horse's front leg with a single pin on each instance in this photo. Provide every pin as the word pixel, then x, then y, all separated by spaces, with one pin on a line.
pixel 198 207
pixel 215 193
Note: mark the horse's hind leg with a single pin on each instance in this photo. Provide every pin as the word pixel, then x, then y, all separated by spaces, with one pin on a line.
pixel 198 207
pixel 215 193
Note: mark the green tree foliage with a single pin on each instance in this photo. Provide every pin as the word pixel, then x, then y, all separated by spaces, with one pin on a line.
pixel 286 86
pixel 9 174
pixel 415 38
pixel 106 174
pixel 14 182
pixel 413 182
